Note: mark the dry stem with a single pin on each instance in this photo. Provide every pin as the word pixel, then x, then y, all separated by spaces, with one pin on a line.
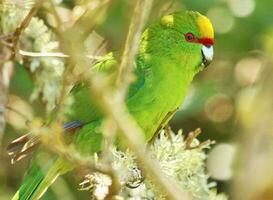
pixel 132 44
pixel 18 32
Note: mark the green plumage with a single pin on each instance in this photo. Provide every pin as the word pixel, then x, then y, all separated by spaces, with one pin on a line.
pixel 165 66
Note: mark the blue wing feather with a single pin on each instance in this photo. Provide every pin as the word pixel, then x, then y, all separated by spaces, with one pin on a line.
pixel 71 126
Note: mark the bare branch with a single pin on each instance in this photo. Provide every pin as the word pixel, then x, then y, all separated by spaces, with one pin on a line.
pixel 141 14
pixel 52 54
pixel 24 24
pixel 5 74
pixel 6 36
pixel 133 136
pixel 43 54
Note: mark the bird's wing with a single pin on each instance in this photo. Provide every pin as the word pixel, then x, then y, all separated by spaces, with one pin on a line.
pixel 26 144
pixel 84 108
pixel 82 111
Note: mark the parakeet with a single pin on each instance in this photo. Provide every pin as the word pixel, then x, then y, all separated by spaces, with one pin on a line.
pixel 172 51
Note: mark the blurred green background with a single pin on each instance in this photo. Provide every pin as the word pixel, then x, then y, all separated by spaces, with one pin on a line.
pixel 217 101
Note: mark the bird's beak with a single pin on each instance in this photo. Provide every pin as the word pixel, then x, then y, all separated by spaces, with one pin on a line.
pixel 207 53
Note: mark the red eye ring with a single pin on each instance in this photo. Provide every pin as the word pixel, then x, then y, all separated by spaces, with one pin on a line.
pixel 190 37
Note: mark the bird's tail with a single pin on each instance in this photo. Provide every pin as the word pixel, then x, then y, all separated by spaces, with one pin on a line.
pixel 39 179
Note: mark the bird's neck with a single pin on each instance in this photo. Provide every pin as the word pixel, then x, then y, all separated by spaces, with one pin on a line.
pixel 167 73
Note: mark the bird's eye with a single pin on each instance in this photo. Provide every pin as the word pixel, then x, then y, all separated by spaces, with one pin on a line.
pixel 189 37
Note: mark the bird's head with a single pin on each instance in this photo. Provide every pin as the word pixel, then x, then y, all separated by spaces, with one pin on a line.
pixel 187 34
pixel 202 35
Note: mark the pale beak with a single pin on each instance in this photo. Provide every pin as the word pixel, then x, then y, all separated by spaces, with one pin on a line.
pixel 207 53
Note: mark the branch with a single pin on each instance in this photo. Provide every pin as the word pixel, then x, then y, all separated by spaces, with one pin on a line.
pixel 133 136
pixel 24 24
pixel 6 36
pixel 141 14
pixel 43 54
pixel 52 54
pixel 5 74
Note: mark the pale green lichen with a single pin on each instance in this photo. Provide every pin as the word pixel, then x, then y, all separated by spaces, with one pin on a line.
pixel 98 184
pixel 187 166
pixel 36 38
pixel 48 71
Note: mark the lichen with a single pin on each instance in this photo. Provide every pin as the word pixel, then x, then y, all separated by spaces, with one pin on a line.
pixel 37 37
pixel 187 166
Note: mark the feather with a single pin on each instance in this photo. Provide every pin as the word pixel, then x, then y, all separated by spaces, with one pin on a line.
pixel 26 144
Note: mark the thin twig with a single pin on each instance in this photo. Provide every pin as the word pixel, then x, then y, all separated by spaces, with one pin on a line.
pixel 19 113
pixel 192 135
pixel 43 54
pixel 141 14
pixel 6 36
pixel 56 15
pixel 52 54
pixel 5 74
pixel 167 9
pixel 91 15
pixel 24 24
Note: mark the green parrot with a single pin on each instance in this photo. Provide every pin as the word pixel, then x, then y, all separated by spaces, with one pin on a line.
pixel 172 51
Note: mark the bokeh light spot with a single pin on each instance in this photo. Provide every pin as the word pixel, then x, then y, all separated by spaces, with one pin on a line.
pixel 220 161
pixel 248 70
pixel 219 108
pixel 242 8
pixel 222 19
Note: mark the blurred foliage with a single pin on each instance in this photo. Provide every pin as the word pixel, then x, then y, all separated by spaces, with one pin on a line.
pixel 220 100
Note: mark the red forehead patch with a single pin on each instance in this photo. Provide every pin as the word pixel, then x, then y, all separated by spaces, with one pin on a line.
pixel 206 41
